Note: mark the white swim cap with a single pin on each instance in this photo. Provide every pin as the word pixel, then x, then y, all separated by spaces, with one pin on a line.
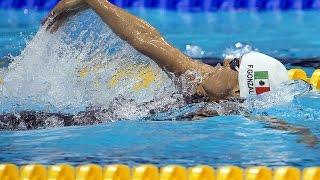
pixel 259 73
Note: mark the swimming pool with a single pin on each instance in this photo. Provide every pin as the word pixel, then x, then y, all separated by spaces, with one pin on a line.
pixel 233 138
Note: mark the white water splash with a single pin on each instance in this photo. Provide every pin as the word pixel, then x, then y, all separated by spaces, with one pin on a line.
pixel 71 70
pixel 284 94
pixel 238 50
pixel 194 51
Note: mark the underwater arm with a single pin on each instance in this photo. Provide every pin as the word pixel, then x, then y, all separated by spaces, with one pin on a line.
pixel 306 135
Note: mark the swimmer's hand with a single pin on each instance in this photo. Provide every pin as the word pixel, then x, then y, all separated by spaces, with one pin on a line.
pixel 61 12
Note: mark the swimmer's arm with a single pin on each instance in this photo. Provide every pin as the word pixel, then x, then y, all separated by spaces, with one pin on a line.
pixel 144 38
pixel 306 135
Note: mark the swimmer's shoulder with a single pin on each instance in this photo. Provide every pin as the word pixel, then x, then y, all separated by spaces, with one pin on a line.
pixel 219 84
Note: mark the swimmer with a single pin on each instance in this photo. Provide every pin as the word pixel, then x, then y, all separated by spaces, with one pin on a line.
pixel 219 83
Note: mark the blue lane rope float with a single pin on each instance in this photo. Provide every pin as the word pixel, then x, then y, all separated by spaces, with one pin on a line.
pixel 191 5
pixel 151 172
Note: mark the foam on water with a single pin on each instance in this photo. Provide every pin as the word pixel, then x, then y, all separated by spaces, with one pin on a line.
pixel 82 66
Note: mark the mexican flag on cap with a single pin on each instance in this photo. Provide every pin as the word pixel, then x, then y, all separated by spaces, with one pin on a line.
pixel 261 80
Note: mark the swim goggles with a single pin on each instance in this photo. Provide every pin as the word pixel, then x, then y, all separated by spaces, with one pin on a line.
pixel 235 64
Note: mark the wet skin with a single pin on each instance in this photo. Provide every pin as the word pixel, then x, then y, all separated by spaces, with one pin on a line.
pixel 218 83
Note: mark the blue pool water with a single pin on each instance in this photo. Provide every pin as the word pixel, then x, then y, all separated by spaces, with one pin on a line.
pixel 282 34
pixel 185 5
pixel 245 137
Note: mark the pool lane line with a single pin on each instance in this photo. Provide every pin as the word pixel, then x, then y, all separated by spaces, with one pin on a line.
pixel 151 172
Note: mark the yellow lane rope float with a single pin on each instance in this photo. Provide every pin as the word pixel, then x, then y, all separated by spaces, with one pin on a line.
pixel 296 74
pixel 144 75
pixel 151 172
pixel 315 79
